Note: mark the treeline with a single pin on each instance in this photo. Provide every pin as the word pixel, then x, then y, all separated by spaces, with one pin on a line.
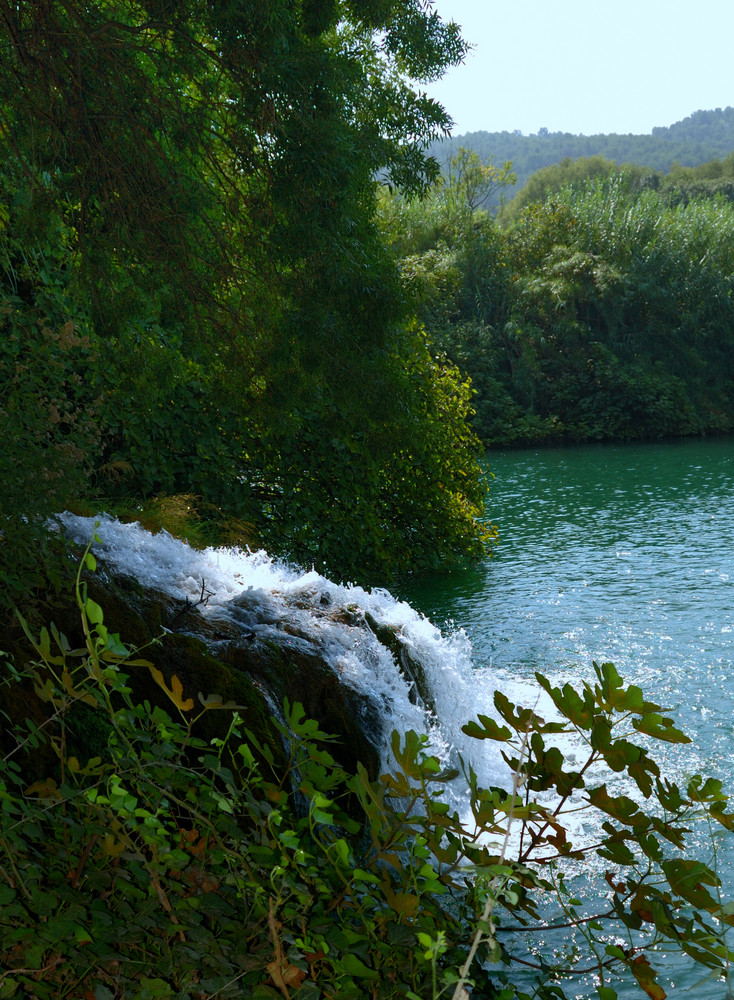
pixel 603 312
pixel 703 136
pixel 680 185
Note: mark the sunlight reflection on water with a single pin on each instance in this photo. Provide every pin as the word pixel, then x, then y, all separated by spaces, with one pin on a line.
pixel 622 553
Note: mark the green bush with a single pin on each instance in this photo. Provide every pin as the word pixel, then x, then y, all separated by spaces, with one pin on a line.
pixel 167 867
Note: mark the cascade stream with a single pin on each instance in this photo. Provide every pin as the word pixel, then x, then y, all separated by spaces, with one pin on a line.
pixel 401 666
pixel 621 553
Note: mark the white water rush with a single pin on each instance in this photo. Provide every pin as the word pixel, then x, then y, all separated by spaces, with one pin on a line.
pixel 260 595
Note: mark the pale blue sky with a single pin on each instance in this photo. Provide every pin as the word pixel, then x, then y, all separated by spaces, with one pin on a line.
pixel 585 66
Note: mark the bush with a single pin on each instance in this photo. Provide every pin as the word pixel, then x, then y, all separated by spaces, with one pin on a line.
pixel 167 867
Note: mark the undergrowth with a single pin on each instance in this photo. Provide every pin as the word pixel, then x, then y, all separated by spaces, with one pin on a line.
pixel 169 867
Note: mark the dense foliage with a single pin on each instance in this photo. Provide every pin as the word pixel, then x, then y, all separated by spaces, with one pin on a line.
pixel 573 173
pixel 605 311
pixel 152 864
pixel 678 186
pixel 701 137
pixel 196 302
pixel 195 299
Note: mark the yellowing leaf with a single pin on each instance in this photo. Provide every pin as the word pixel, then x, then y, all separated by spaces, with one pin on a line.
pixel 75 692
pixel 645 976
pixel 44 789
pixel 175 692
pixel 112 846
pixel 285 975
pixel 215 701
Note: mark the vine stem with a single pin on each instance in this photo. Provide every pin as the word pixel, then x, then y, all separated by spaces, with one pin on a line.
pixel 496 883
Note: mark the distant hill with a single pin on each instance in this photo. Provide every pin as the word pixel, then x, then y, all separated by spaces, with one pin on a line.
pixel 703 136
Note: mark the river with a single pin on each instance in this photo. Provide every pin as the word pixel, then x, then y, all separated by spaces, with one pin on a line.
pixel 623 553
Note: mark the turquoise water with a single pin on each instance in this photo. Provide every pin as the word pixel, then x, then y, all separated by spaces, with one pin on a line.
pixel 622 553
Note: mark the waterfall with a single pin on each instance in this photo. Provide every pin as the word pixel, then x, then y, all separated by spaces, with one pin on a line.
pixel 378 646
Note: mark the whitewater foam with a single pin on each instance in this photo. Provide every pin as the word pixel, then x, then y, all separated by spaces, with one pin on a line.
pixel 256 591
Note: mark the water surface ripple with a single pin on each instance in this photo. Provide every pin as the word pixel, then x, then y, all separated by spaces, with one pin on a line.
pixel 614 552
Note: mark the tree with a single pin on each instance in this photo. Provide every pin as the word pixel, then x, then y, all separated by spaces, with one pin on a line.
pixel 157 118
pixel 550 180
pixel 213 166
pixel 474 182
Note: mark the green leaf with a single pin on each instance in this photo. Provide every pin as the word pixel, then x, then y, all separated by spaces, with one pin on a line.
pixel 614 951
pixel 116 646
pixel 708 791
pixel 718 813
pixel 354 966
pixel 489 730
pixel 33 957
pixel 688 879
pixel 362 876
pixel 93 611
pixel 578 710
pixel 619 807
pixel 341 850
pixel 611 682
pixel 154 989
pixel 82 936
pixel 661 728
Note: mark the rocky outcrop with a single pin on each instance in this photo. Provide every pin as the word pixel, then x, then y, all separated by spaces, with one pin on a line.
pixel 244 657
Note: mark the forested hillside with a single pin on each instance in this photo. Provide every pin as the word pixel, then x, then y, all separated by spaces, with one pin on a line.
pixel 704 135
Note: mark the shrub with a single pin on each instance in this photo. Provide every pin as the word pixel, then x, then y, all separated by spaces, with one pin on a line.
pixel 168 867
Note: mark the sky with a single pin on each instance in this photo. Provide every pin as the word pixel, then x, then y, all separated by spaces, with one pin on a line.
pixel 585 66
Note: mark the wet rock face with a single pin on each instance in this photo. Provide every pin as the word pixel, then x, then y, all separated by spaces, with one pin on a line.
pixel 410 666
pixel 248 657
pixel 255 632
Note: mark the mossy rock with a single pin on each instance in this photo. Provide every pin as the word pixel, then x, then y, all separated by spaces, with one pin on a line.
pixel 302 676
pixel 209 655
